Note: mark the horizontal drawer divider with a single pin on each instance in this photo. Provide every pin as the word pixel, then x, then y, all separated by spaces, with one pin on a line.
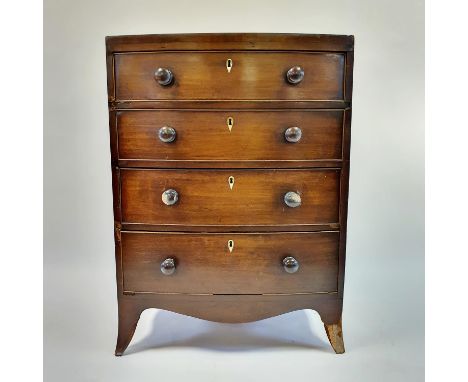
pixel 228 165
pixel 227 104
pixel 245 50
pixel 232 168
pixel 210 109
pixel 127 292
pixel 230 233
pixel 140 227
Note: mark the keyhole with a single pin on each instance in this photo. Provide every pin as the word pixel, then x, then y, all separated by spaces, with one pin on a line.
pixel 230 123
pixel 231 182
pixel 229 65
pixel 230 245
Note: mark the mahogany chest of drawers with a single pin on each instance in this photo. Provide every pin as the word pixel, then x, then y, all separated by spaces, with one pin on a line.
pixel 230 166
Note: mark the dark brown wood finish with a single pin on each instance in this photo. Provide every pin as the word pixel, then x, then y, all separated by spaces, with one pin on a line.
pixel 344 190
pixel 228 104
pixel 223 308
pixel 229 228
pixel 231 41
pixel 247 164
pixel 205 197
pixel 252 136
pixel 209 281
pixel 254 76
pixel 230 263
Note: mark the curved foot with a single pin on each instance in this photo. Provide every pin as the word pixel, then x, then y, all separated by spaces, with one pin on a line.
pixel 335 336
pixel 129 314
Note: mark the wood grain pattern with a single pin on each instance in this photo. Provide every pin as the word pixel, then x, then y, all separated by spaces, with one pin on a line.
pixel 210 228
pixel 228 104
pixel 228 308
pixel 129 314
pixel 205 197
pixel 254 76
pixel 202 158
pixel 222 308
pixel 244 164
pixel 335 336
pixel 230 41
pixel 344 192
pixel 254 136
pixel 204 263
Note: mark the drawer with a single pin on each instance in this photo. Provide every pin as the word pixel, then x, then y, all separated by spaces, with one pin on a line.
pixel 203 263
pixel 253 76
pixel 230 197
pixel 230 135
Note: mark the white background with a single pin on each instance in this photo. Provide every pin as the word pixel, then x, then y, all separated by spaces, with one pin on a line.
pixel 383 314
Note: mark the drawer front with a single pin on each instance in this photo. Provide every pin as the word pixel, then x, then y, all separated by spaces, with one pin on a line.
pixel 204 263
pixel 253 76
pixel 230 135
pixel 205 197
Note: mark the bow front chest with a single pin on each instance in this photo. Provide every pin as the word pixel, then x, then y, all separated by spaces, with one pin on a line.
pixel 230 166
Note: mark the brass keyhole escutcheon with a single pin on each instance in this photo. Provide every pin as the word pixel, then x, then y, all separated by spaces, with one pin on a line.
pixel 231 182
pixel 229 65
pixel 231 245
pixel 230 123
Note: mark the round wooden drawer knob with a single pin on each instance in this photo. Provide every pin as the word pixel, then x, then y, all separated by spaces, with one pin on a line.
pixel 290 264
pixel 293 134
pixel 164 76
pixel 170 197
pixel 295 75
pixel 167 134
pixel 292 199
pixel 168 267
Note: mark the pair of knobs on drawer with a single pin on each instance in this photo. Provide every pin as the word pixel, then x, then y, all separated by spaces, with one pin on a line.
pixel 291 198
pixel 168 134
pixel 290 265
pixel 165 77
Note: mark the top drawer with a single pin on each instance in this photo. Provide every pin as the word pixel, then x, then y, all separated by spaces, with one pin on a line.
pixel 251 76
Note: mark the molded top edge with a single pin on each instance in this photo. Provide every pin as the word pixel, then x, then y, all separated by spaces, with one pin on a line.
pixel 230 41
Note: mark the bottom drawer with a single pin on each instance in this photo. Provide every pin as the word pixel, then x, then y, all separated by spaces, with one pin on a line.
pixel 233 263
